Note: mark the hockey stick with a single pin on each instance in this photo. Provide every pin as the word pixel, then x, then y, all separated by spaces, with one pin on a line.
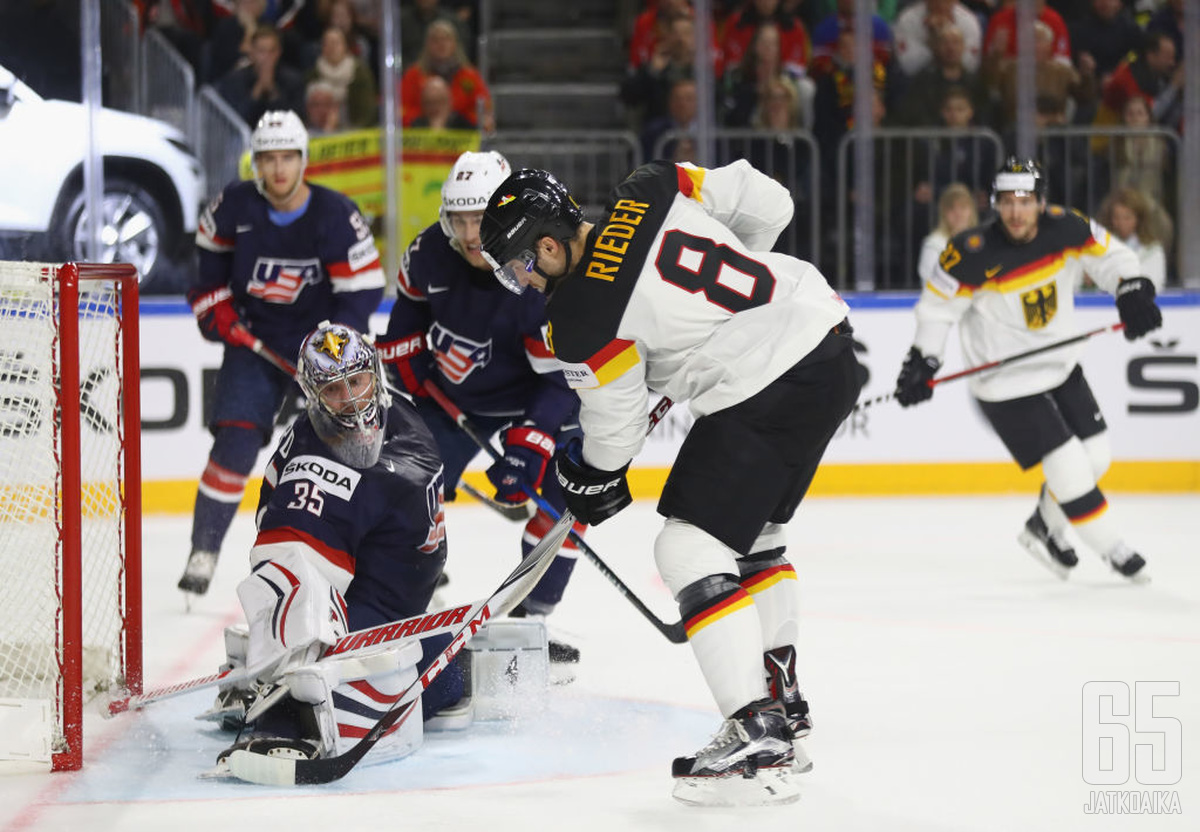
pixel 517 512
pixel 250 341
pixel 421 625
pixel 674 632
pixel 1000 362
pixel 277 771
pixel 1066 342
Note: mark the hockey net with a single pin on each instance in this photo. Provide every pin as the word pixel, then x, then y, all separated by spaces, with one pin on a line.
pixel 70 501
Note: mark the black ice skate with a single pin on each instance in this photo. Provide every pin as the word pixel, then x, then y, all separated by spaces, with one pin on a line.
pixel 1129 563
pixel 748 762
pixel 1047 548
pixel 198 573
pixel 781 682
pixel 560 651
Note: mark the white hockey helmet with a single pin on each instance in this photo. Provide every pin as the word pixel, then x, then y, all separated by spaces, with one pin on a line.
pixel 278 130
pixel 341 375
pixel 470 184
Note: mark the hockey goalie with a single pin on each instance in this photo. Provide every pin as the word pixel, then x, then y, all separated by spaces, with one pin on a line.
pixel 350 535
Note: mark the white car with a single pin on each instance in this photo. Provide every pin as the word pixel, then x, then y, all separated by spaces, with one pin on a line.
pixel 153 184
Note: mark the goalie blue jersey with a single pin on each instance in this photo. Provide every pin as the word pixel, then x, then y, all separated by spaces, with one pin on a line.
pixel 383 524
pixel 488 344
pixel 289 272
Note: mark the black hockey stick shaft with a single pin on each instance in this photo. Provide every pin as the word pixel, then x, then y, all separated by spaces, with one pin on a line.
pixel 277 771
pixel 1066 342
pixel 674 633
pixel 253 343
pixel 934 382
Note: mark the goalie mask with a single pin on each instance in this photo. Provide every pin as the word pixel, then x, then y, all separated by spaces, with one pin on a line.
pixel 341 375
pixel 278 130
pixel 471 182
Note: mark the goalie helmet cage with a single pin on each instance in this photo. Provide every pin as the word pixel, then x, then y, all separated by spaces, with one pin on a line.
pixel 70 501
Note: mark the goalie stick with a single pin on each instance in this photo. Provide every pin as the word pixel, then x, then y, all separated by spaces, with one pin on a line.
pixel 278 771
pixel 423 625
pixel 673 632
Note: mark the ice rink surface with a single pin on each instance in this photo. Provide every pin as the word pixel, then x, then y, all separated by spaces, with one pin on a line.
pixel 945 668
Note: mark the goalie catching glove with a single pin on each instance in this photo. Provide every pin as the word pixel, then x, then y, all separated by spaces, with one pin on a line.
pixel 912 386
pixel 1136 307
pixel 526 452
pixel 591 494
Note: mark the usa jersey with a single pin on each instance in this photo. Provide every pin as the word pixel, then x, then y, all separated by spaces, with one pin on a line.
pixel 383 525
pixel 1011 297
pixel 488 344
pixel 286 279
pixel 677 290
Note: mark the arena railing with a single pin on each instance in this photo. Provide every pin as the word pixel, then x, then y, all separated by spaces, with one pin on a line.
pixel 912 167
pixel 589 162
pixel 121 48
pixel 791 157
pixel 222 141
pixel 168 84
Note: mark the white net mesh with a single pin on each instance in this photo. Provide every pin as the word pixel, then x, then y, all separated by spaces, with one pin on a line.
pixel 31 486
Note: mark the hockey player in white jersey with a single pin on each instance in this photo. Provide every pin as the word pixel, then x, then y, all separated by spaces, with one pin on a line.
pixel 1009 284
pixel 676 290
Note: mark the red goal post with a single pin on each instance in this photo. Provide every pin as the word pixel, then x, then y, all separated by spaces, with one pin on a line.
pixel 70 501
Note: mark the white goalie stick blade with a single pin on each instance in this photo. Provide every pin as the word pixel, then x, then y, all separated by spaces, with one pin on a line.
pixel 277 771
pixel 437 622
pixel 769 787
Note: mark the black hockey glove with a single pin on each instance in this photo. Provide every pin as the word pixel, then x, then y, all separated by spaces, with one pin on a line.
pixel 1136 306
pixel 912 387
pixel 592 495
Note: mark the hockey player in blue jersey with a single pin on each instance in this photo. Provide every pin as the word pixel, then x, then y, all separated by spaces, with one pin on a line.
pixel 485 348
pixel 276 256
pixel 350 535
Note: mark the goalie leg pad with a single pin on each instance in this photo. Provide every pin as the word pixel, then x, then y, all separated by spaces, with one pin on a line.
pixel 355 705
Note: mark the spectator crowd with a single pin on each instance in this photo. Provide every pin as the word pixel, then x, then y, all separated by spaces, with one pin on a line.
pixel 942 70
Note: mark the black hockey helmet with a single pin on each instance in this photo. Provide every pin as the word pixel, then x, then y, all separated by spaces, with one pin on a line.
pixel 1020 176
pixel 527 206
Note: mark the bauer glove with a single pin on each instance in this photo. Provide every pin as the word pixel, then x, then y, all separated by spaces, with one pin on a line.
pixel 591 494
pixel 407 363
pixel 526 452
pixel 215 314
pixel 1136 306
pixel 913 387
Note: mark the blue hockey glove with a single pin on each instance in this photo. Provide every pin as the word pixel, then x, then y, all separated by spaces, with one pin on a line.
pixel 526 452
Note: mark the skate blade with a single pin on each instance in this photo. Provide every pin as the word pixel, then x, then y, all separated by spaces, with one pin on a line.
pixel 1041 554
pixel 803 764
pixel 769 787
